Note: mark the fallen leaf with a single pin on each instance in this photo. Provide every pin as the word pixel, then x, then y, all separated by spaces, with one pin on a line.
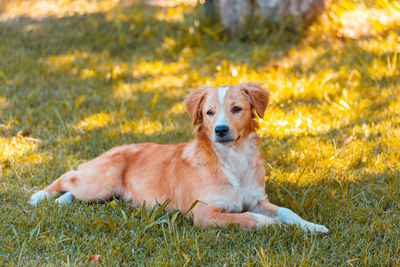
pixel 26 133
pixel 93 259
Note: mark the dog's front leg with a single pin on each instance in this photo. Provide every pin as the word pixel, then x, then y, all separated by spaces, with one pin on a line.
pixel 286 216
pixel 213 216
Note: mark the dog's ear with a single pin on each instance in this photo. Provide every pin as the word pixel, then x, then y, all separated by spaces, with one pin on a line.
pixel 257 95
pixel 194 103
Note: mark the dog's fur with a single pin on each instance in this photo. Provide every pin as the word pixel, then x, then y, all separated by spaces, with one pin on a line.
pixel 223 170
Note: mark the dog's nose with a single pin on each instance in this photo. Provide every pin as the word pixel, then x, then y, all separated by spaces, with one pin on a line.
pixel 221 130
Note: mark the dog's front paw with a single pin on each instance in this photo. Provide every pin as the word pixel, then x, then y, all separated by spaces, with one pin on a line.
pixel 315 227
pixel 289 217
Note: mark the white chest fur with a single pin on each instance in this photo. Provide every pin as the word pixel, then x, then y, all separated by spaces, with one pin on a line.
pixel 238 165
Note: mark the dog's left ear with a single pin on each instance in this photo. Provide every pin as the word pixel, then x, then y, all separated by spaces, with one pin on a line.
pixel 257 95
pixel 193 102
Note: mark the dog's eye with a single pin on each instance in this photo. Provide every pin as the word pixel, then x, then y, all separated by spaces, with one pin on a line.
pixel 210 113
pixel 236 109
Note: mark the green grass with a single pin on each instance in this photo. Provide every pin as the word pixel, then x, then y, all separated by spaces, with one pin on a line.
pixel 78 80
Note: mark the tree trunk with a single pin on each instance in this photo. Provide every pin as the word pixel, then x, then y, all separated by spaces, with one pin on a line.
pixel 233 13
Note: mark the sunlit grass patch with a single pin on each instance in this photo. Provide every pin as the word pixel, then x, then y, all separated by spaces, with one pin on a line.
pixel 357 19
pixel 44 8
pixel 173 14
pixel 145 127
pixel 97 120
pixel 15 147
pixel 382 45
pixel 155 68
pixel 178 109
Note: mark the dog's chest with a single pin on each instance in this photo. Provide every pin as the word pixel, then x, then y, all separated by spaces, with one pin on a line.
pixel 242 191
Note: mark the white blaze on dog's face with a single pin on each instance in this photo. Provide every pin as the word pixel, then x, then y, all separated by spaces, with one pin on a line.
pixel 226 113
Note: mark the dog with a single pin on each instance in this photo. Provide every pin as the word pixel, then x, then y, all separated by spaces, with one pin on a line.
pixel 222 168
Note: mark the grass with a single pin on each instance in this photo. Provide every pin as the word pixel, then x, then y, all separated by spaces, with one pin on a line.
pixel 77 78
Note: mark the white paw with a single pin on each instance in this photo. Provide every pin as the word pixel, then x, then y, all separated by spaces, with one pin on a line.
pixel 315 227
pixel 289 217
pixel 38 196
pixel 64 199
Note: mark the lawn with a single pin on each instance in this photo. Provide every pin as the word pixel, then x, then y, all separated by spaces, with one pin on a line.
pixel 80 77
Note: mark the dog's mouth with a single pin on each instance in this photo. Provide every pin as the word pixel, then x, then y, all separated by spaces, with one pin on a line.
pixel 225 141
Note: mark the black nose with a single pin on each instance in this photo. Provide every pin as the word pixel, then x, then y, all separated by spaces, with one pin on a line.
pixel 221 130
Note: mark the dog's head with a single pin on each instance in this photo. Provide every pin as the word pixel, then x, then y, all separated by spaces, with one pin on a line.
pixel 226 113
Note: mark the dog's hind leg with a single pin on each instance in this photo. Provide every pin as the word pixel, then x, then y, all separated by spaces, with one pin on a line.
pixel 39 196
pixel 65 199
pixel 88 184
pixel 53 189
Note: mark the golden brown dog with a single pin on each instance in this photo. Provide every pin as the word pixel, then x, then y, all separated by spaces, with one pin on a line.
pixel 222 166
